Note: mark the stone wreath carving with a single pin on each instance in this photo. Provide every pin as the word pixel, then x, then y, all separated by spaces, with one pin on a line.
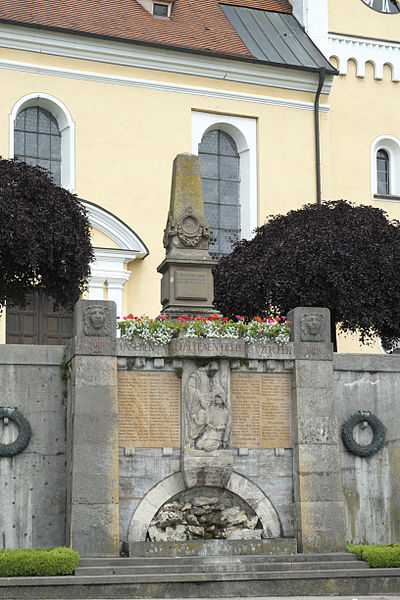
pixel 24 432
pixel 96 321
pixel 378 430
pixel 189 230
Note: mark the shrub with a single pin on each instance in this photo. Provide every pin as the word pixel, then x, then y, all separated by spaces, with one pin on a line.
pixel 29 562
pixel 377 555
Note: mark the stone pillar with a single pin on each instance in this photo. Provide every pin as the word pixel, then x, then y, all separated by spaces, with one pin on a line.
pixel 92 519
pixel 318 492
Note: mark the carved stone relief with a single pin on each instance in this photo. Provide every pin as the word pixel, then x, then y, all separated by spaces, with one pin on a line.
pixel 97 321
pixel 207 409
pixel 312 327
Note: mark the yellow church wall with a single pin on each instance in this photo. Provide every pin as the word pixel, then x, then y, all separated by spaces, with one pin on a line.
pixel 353 127
pixel 100 240
pixel 344 14
pixel 127 138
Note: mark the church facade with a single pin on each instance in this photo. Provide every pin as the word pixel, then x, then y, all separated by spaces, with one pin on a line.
pixel 285 103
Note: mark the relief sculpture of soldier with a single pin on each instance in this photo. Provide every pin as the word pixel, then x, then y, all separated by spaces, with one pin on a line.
pixel 208 416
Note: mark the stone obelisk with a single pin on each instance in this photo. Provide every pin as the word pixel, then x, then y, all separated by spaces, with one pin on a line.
pixel 187 285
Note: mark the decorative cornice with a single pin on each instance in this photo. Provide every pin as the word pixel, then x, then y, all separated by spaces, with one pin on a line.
pixel 159 85
pixel 134 55
pixel 363 50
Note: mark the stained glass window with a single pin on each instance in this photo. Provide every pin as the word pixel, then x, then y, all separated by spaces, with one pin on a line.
pixel 220 175
pixel 37 140
pixel 382 172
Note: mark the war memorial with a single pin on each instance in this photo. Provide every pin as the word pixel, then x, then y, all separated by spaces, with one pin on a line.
pixel 201 467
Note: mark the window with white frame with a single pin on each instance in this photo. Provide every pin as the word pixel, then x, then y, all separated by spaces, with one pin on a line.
pixel 385 168
pixel 42 132
pixel 227 148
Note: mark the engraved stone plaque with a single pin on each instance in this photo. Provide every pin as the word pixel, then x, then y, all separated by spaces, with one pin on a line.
pixel 148 409
pixel 190 285
pixel 260 406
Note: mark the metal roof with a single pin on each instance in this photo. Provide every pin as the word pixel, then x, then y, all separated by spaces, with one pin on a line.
pixel 276 38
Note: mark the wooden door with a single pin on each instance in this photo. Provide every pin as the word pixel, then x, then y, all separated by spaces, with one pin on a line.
pixel 38 323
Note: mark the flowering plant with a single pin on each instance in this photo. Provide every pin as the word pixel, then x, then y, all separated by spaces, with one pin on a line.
pixel 162 329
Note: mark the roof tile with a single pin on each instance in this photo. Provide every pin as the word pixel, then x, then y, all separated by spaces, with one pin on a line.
pixel 194 24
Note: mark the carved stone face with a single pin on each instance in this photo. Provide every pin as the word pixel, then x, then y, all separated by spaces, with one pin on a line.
pixel 96 321
pixel 312 327
pixel 212 368
pixel 97 317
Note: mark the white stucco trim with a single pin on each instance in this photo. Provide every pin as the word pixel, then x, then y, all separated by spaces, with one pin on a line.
pixel 115 229
pixel 391 144
pixel 160 59
pixel 244 131
pixel 363 50
pixel 165 86
pixel 67 128
pixel 108 270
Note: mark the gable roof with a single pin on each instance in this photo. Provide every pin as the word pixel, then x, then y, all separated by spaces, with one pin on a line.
pixel 195 25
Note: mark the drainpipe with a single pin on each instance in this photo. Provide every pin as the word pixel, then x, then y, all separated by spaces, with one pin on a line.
pixel 322 75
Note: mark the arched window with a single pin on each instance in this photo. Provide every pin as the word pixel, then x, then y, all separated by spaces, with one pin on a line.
pixel 385 168
pixel 44 136
pixel 220 174
pixel 382 172
pixel 37 140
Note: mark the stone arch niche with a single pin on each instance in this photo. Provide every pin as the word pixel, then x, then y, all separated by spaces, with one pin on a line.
pixel 239 492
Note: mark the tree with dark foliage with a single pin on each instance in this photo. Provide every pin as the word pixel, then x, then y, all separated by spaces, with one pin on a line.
pixel 336 255
pixel 44 237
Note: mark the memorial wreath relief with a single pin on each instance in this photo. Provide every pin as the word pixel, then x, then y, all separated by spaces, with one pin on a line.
pixel 208 415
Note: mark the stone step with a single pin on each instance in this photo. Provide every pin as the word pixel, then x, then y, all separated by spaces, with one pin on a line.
pixel 236 559
pixel 226 567
pixel 340 582
pixel 214 547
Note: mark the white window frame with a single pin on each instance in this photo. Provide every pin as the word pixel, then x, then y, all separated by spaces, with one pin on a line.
pixel 392 146
pixel 67 130
pixel 243 130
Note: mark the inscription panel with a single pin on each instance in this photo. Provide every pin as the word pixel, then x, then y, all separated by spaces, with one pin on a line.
pixel 191 285
pixel 260 405
pixel 148 409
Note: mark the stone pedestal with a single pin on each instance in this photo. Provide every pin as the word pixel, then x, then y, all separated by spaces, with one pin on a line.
pixel 187 285
pixel 318 492
pixel 92 511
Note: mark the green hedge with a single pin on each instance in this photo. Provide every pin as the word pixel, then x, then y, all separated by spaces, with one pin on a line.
pixel 30 562
pixel 377 555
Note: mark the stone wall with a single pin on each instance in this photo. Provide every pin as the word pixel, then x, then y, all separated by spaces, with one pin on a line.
pixel 32 483
pixel 371 485
pixel 134 435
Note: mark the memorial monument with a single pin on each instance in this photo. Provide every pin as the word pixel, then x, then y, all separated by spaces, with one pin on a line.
pixel 187 282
